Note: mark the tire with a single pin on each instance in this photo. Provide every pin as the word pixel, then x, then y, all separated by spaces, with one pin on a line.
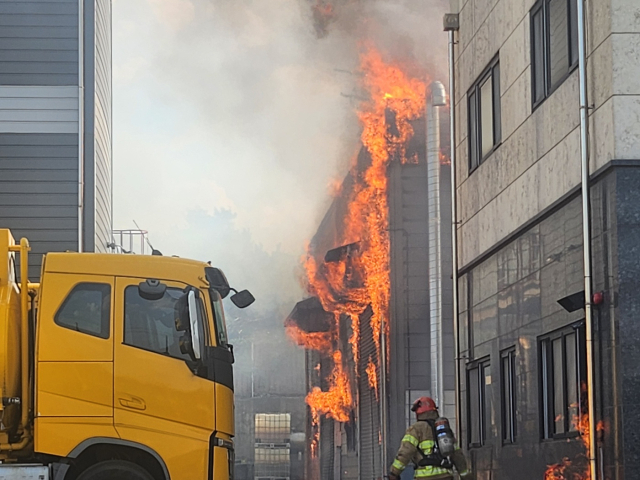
pixel 115 470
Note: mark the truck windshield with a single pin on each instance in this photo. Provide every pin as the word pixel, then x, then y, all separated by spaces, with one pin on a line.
pixel 218 314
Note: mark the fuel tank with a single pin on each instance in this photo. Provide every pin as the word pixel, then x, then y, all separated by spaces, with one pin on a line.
pixel 9 338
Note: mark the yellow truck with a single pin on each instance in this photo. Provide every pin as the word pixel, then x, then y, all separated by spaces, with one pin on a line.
pixel 114 367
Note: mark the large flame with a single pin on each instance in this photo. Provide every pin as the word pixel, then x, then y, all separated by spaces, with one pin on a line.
pixel 320 341
pixel 360 278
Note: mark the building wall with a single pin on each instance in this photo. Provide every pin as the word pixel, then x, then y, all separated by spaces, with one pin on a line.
pixel 41 101
pixel 529 187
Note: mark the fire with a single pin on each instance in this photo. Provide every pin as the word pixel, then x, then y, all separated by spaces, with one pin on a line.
pixel 320 341
pixel 357 276
pixel 372 376
pixel 337 402
pixel 577 469
pixel 315 440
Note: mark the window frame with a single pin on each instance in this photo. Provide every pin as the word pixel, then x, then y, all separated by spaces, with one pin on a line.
pixel 546 379
pixel 474 122
pixel 201 309
pixel 105 324
pixel 510 410
pixel 479 365
pixel 542 6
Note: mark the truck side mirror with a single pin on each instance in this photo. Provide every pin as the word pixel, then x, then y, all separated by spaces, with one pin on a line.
pixel 186 313
pixel 243 299
pixel 152 289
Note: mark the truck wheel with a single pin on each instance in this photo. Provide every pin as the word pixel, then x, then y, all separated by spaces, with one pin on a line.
pixel 115 470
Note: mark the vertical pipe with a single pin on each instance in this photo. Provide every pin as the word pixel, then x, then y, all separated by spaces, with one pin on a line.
pixel 586 233
pixel 24 329
pixel 383 398
pixel 80 125
pixel 435 99
pixel 454 227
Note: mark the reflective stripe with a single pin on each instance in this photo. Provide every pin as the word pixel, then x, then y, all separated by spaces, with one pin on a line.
pixel 427 446
pixel 398 465
pixel 410 439
pixel 423 472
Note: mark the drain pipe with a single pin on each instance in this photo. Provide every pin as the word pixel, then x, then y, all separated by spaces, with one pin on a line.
pixel 586 233
pixel 436 98
pixel 451 25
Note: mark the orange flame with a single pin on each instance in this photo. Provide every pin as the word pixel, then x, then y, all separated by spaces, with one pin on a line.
pixel 337 402
pixel 372 376
pixel 361 280
pixel 574 470
pixel 320 341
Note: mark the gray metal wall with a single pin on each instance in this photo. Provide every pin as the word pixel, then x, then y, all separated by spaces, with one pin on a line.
pixel 40 123
pixel 97 135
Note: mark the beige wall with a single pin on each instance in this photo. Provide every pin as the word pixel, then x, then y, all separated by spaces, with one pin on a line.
pixel 539 158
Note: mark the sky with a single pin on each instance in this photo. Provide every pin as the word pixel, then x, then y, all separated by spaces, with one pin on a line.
pixel 232 120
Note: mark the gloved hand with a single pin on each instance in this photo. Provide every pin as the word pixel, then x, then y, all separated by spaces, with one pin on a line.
pixel 393 477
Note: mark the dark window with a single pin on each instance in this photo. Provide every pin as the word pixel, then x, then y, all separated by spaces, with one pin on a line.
pixel 508 400
pixel 480 402
pixel 563 370
pixel 150 324
pixel 218 314
pixel 485 131
pixel 87 309
pixel 554 45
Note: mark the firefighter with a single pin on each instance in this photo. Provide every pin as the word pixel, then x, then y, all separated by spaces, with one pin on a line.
pixel 419 446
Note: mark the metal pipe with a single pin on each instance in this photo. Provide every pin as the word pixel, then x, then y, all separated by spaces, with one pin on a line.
pixel 80 125
pixel 436 99
pixel 383 397
pixel 454 226
pixel 25 401
pixel 586 234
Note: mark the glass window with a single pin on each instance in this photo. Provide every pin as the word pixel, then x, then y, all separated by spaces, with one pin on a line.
pixel 562 357
pixel 554 44
pixel 218 313
pixel 480 408
pixel 508 384
pixel 484 115
pixel 87 309
pixel 150 324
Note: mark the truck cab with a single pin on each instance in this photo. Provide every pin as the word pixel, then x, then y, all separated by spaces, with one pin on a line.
pixel 130 369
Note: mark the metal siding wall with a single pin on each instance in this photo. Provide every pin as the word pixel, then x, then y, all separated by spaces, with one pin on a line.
pixel 103 122
pixel 38 191
pixel 38 42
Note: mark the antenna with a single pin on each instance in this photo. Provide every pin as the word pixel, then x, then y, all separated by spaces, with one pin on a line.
pixel 153 250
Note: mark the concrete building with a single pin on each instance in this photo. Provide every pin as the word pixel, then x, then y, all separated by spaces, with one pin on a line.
pixel 55 124
pixel 523 357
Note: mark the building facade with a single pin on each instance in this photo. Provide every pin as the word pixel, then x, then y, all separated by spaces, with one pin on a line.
pixel 523 362
pixel 55 124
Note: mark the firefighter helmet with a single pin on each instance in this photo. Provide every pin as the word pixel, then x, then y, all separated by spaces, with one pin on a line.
pixel 423 405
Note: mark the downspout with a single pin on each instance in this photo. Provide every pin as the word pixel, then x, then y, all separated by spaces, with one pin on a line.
pixel 383 399
pixel 586 234
pixel 436 99
pixel 80 125
pixel 451 24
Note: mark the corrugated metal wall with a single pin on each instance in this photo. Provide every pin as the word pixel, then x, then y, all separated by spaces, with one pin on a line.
pixel 97 140
pixel 40 103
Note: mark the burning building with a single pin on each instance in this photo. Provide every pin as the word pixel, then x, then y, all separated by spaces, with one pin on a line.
pixel 376 329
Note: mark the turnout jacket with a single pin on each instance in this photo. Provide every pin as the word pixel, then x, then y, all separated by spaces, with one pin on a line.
pixel 419 436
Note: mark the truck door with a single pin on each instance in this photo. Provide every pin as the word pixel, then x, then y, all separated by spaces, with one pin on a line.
pixel 158 400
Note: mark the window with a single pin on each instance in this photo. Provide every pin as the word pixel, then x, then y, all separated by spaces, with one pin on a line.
pixel 150 324
pixel 563 374
pixel 87 309
pixel 554 45
pixel 480 402
pixel 485 132
pixel 218 313
pixel 508 400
